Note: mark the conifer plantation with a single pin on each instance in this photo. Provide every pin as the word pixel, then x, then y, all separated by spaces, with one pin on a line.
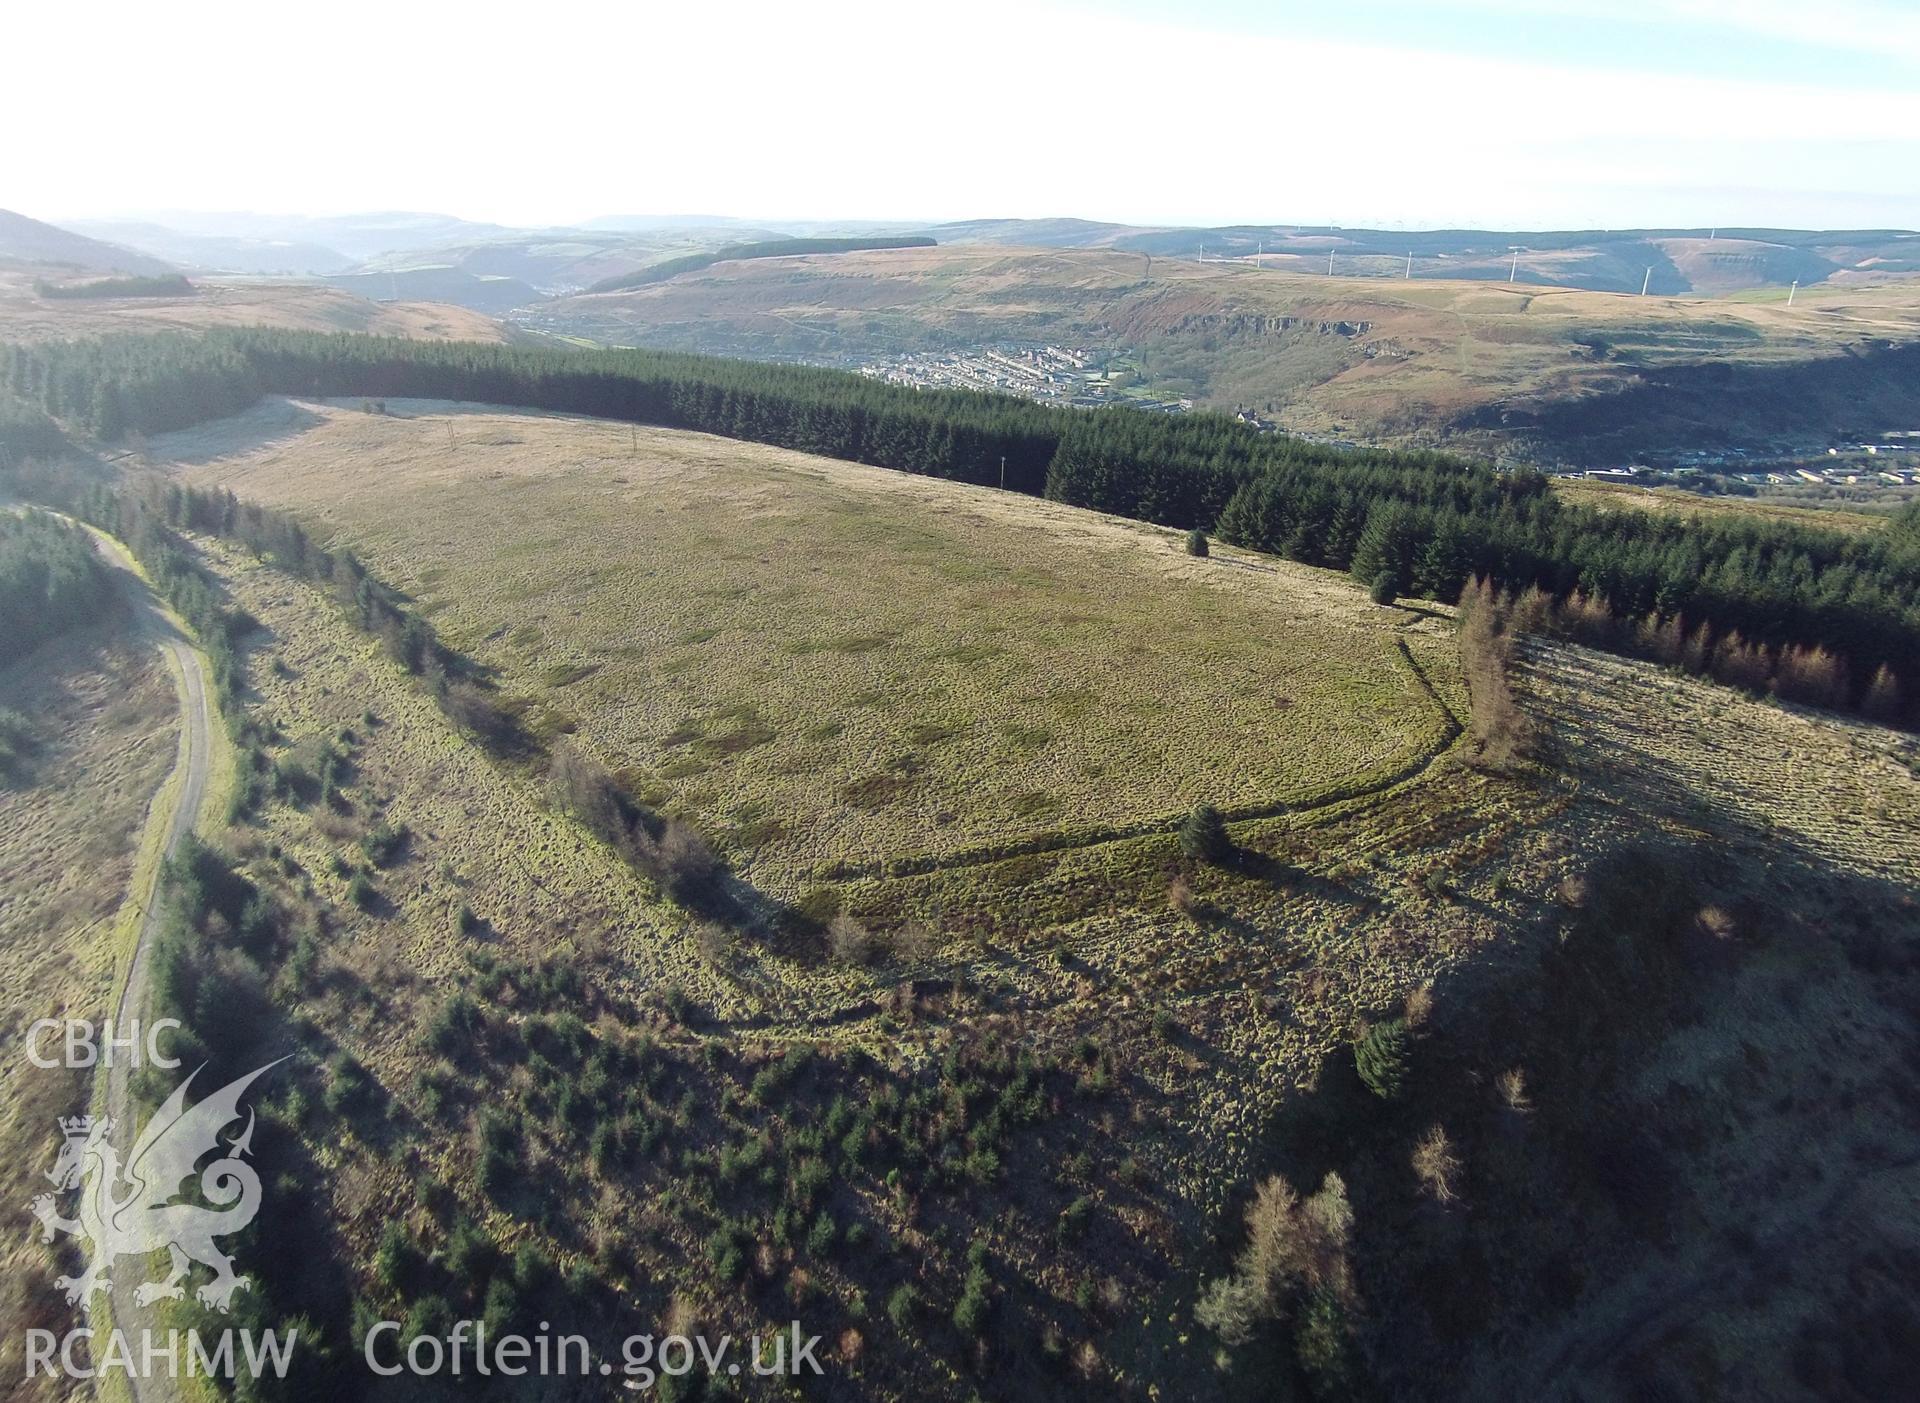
pixel 50 581
pixel 913 789
pixel 1416 524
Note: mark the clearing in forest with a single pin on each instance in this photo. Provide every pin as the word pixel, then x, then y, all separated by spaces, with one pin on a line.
pixel 829 666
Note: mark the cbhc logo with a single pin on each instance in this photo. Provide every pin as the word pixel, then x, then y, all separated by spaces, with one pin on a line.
pixel 82 1045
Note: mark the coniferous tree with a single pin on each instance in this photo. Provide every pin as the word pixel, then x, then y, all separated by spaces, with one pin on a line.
pixel 1203 835
pixel 1431 520
pixel 1381 1059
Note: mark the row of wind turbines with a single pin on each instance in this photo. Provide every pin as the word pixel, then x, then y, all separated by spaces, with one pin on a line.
pixel 1513 271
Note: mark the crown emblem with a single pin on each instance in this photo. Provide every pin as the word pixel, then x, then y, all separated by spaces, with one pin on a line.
pixel 76 1125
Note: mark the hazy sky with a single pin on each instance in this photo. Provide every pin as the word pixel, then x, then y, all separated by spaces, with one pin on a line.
pixel 1503 113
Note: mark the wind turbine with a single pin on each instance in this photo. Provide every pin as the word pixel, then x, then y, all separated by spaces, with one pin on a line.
pixel 1409 265
pixel 1646 282
pixel 1513 273
pixel 1329 262
pixel 1792 290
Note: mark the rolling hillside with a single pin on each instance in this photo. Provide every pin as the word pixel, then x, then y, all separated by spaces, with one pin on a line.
pixel 218 253
pixel 490 294
pixel 31 241
pixel 26 316
pixel 1703 262
pixel 994 1126
pixel 1547 372
pixel 567 260
pixel 750 725
pixel 356 236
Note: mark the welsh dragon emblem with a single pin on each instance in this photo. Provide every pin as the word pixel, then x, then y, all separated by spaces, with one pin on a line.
pixel 132 1211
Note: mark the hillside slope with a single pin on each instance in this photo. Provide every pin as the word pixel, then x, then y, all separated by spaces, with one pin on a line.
pixel 1682 261
pixel 31 241
pixel 25 316
pixel 858 1149
pixel 1010 754
pixel 218 253
pixel 491 294
pixel 565 260
pixel 1502 368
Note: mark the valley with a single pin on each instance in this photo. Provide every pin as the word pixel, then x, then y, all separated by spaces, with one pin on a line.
pixel 1750 345
pixel 1525 372
pixel 1061 809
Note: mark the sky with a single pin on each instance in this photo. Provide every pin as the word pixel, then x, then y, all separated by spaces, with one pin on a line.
pixel 1520 114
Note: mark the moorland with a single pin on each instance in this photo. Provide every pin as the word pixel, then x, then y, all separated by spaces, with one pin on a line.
pixel 1535 372
pixel 1220 917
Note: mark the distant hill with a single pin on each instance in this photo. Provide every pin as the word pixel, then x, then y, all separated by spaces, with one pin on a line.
pixel 218 253
pixel 149 285
pixel 1683 261
pixel 353 236
pixel 1551 373
pixel 654 223
pixel 25 315
pixel 491 295
pixel 565 260
pixel 545 260
pixel 1036 233
pixel 364 235
pixel 32 241
pixel 769 248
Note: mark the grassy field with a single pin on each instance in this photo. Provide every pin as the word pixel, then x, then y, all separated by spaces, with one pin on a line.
pixel 100 739
pixel 524 873
pixel 838 667
pixel 1191 1024
pixel 26 316
pixel 1668 500
pixel 1171 1113
pixel 1196 1028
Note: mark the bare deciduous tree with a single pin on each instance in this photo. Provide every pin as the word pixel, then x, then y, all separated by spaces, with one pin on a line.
pixel 1512 1085
pixel 1503 734
pixel 1437 1166
pixel 849 941
pixel 1293 1245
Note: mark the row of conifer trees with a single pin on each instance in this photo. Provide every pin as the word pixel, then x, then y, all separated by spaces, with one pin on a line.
pixel 1409 523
